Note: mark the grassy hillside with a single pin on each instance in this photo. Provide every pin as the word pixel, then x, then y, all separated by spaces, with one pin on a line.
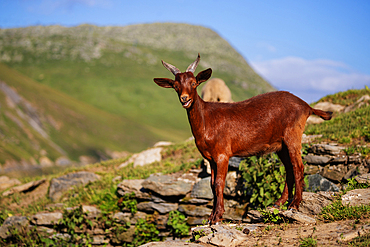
pixel 67 126
pixel 351 128
pixel 112 68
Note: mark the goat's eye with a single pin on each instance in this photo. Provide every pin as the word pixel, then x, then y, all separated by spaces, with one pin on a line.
pixel 193 84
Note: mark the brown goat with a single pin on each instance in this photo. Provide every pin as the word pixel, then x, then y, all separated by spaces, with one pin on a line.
pixel 270 122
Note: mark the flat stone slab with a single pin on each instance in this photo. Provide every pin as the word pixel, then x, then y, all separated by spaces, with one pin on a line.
pixel 298 216
pixel 24 187
pixel 46 219
pixel 312 203
pixel 6 182
pixel 356 197
pixel 202 189
pixel 166 185
pixel 172 243
pixel 145 157
pixel 195 210
pixel 60 185
pixel 133 185
pixel 363 178
pixel 317 159
pixel 323 149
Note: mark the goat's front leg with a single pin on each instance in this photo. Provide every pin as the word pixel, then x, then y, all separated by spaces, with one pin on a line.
pixel 218 184
pixel 213 179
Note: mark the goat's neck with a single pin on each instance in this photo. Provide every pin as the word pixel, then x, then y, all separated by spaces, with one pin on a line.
pixel 196 117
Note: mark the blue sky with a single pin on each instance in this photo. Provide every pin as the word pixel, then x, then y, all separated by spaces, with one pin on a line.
pixel 310 48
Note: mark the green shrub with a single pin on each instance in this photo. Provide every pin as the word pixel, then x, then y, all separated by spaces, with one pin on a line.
pixel 145 232
pixel 73 220
pixel 129 202
pixel 264 179
pixel 177 224
pixel 271 216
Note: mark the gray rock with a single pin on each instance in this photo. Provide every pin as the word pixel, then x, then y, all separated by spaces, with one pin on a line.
pixel 133 185
pixel 192 210
pixel 164 208
pixel 363 178
pixel 122 217
pixel 202 189
pixel 298 216
pixel 234 162
pixel 316 159
pixel 233 185
pixel 317 182
pixel 354 159
pixel 62 184
pixel 166 185
pixel 194 221
pixel 92 212
pixel 145 157
pixel 351 174
pixel 146 207
pixel 323 149
pixel 334 173
pixel 13 221
pixel 24 187
pixel 100 240
pixel 223 235
pixel 6 182
pixel 340 159
pixel 253 216
pixel 327 106
pixel 312 203
pixel 194 200
pixel 356 197
pixel 46 219
pixel 172 243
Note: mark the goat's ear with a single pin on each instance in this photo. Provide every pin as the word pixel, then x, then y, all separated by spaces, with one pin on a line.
pixel 204 75
pixel 164 82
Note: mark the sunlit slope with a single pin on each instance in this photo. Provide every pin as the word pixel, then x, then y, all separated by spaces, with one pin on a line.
pixel 112 68
pixel 68 126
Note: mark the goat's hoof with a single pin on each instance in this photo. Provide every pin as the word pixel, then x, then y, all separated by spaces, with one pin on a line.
pixel 275 206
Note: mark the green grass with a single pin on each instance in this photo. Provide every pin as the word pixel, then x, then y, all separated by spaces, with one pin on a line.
pixel 345 128
pixel 345 98
pixel 83 129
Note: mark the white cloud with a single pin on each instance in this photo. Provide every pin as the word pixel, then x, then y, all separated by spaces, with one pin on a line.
pixel 310 79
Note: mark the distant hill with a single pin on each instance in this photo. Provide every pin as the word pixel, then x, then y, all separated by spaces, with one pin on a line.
pixel 36 121
pixel 105 74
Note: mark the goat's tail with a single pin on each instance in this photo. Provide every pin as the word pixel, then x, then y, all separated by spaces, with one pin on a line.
pixel 326 115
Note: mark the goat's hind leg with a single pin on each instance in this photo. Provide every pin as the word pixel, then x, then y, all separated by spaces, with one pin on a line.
pixel 289 176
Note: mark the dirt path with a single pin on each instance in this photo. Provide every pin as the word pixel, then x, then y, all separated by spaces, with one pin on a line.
pixel 326 234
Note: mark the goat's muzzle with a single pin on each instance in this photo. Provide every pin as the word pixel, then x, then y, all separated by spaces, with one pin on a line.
pixel 185 101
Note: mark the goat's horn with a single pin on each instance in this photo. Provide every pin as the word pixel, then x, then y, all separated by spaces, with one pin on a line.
pixel 194 65
pixel 171 68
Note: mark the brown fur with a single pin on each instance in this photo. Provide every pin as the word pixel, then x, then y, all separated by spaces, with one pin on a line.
pixel 270 122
